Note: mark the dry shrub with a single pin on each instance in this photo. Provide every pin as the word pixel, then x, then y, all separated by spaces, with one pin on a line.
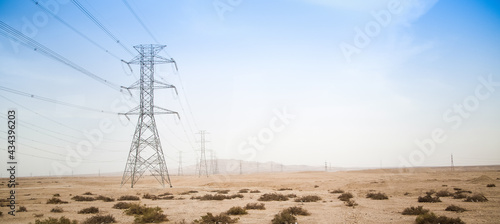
pixel 50 220
pixel 377 196
pixel 100 219
pixel 57 195
pixel 89 210
pixel 82 198
pixel 57 210
pixel 257 206
pixel 243 191
pixel 87 193
pixel 104 198
pixel 459 196
pixel 217 197
pixel 337 191
pixel 476 198
pixel 273 197
pixel 454 208
pixel 308 198
pixel 221 191
pixel 151 215
pixel 211 219
pixel 236 210
pixel 167 193
pixel 285 189
pixel 283 218
pixel 254 191
pixel 351 203
pixel 122 205
pixel 428 198
pixel 295 210
pixel 56 201
pixel 22 209
pixel 415 211
pixel 490 185
pixel 128 198
pixel 188 192
pixel 149 196
pixel 345 196
pixel 444 193
pixel 431 218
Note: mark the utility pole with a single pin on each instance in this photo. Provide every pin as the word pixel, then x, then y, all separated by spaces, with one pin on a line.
pixel 452 165
pixel 203 159
pixel 179 169
pixel 146 152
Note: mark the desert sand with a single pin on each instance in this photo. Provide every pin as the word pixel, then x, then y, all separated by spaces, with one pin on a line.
pixel 403 189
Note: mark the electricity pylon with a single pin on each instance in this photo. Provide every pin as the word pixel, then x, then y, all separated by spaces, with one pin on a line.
pixel 203 159
pixel 145 151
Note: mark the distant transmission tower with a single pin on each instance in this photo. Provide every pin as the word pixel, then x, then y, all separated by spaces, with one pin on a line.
pixel 203 159
pixel 145 151
pixel 179 169
pixel 214 168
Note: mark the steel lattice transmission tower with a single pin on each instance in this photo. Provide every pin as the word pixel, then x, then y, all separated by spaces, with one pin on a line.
pixel 145 151
pixel 203 159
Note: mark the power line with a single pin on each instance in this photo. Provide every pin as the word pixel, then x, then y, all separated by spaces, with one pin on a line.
pixel 99 24
pixel 15 35
pixel 74 29
pixel 53 101
pixel 140 21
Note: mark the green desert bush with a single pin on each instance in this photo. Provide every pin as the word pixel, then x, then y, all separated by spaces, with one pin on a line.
pixel 82 198
pixel 476 198
pixel 415 211
pixel 211 219
pixel 273 197
pixel 454 208
pixel 308 198
pixel 255 206
pixel 443 193
pixel 236 210
pixel 56 201
pixel 57 210
pixel 62 220
pixel 89 210
pixel 128 198
pixel 100 219
pixel 377 196
pixel 122 205
pixel 345 196
pixel 428 198
pixel 431 218
pixel 295 210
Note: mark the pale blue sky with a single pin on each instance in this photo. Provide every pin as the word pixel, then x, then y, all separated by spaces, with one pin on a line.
pixel 259 57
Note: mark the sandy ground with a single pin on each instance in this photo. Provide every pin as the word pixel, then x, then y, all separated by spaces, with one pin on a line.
pixel 34 192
